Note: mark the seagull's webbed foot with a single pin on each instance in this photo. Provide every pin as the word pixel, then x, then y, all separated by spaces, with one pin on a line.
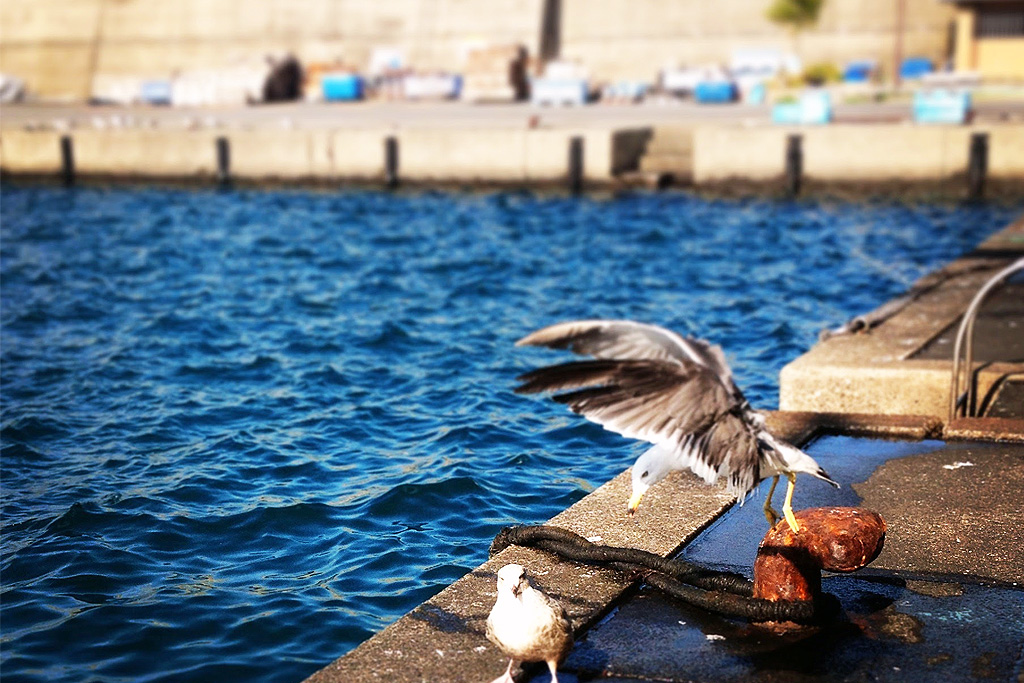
pixel 787 507
pixel 769 512
pixel 553 667
pixel 505 677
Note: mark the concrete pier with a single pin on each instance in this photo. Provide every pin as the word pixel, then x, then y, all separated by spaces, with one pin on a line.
pixel 949 508
pixel 903 366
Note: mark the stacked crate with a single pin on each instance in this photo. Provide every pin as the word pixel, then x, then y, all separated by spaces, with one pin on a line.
pixel 563 83
pixel 495 74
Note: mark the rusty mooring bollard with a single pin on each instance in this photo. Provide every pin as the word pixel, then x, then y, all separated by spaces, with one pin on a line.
pixel 839 539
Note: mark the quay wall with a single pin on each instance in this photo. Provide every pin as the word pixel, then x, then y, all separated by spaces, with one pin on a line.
pixel 854 153
pixel 482 155
pixel 870 154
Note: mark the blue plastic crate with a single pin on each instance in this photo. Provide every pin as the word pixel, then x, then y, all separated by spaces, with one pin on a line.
pixel 859 71
pixel 941 106
pixel 711 92
pixel 342 87
pixel 915 67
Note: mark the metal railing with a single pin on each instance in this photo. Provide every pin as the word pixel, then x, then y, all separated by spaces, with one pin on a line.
pixel 966 332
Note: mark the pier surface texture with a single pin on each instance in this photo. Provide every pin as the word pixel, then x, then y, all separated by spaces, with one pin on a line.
pixel 954 544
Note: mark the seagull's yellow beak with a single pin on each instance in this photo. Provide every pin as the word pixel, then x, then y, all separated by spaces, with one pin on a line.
pixel 634 502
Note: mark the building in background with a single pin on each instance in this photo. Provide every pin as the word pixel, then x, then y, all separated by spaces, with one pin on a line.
pixel 990 38
pixel 75 48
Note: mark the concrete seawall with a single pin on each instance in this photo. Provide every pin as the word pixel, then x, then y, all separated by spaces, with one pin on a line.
pixel 482 155
pixel 718 155
pixel 855 152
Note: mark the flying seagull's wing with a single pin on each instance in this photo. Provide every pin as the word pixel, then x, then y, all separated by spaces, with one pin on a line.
pixel 658 401
pixel 683 408
pixel 628 340
pixel 652 384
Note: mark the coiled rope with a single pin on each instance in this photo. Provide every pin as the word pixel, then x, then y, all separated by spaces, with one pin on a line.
pixel 721 592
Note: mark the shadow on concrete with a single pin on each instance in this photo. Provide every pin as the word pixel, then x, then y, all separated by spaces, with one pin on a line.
pixel 891 632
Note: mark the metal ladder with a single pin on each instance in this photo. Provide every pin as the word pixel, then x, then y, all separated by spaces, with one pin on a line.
pixel 965 342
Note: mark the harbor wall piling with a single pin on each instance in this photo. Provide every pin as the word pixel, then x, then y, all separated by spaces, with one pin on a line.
pixel 839 153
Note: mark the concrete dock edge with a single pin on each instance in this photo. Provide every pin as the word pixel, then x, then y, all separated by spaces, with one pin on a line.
pixel 878 370
pixel 875 157
pixel 510 156
pixel 443 639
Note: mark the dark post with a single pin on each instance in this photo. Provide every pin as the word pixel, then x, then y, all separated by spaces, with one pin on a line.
pixel 794 164
pixel 550 30
pixel 67 160
pixel 575 164
pixel 977 166
pixel 897 56
pixel 391 161
pixel 223 161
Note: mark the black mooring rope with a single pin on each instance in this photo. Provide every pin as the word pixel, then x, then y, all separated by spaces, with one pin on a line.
pixel 575 547
pixel 722 592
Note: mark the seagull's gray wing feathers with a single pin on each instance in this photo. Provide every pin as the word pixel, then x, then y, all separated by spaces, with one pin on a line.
pixel 652 384
pixel 664 402
pixel 734 444
pixel 628 340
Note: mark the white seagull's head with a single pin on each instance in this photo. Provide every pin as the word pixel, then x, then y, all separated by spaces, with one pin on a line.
pixel 651 467
pixel 512 579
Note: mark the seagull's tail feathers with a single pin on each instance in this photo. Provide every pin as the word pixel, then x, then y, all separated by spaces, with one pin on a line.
pixel 792 459
pixel 823 475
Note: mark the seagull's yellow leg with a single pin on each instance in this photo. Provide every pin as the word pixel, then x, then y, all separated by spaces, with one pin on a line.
pixel 769 512
pixel 787 507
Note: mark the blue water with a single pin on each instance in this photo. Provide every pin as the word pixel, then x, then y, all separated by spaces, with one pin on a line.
pixel 243 431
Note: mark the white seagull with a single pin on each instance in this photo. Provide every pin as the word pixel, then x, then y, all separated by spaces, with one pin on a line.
pixel 676 392
pixel 526 624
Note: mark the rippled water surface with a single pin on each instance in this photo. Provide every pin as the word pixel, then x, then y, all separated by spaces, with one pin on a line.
pixel 243 431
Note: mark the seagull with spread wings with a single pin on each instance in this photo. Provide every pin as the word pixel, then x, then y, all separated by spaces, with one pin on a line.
pixel 676 392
